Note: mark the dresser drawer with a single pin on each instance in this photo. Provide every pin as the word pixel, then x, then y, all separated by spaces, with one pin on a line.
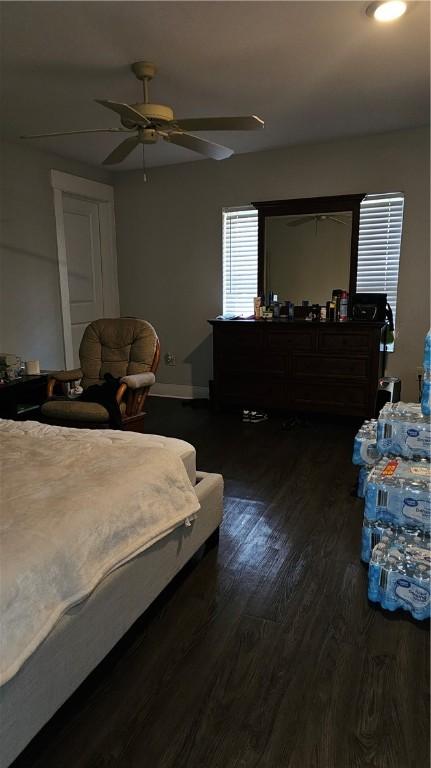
pixel 352 343
pixel 319 395
pixel 335 366
pixel 286 340
pixel 241 360
pixel 237 338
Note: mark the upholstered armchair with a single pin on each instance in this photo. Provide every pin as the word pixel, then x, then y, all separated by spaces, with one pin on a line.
pixel 125 347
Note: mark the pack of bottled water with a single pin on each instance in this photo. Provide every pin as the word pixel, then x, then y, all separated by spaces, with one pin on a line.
pixel 381 532
pixel 403 430
pixel 426 381
pixel 399 574
pixel 399 492
pixel 365 451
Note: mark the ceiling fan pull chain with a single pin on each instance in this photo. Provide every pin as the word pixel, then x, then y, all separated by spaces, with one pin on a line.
pixel 143 162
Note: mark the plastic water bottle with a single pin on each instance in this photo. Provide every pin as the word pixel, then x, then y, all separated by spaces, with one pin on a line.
pixel 427 352
pixel 376 561
pixel 367 530
pixel 400 543
pixel 362 481
pixel 426 393
pixel 421 595
pixel 387 598
pixel 365 445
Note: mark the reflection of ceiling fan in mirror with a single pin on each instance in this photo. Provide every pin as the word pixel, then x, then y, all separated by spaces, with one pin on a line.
pixel 146 122
pixel 318 218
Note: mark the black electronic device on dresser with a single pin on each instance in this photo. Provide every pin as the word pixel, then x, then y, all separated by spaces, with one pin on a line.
pixel 368 306
pixel 21 398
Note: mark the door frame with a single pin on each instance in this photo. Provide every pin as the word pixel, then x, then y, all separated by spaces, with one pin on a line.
pixel 103 196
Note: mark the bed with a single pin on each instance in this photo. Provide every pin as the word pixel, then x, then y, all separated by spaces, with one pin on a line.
pixel 72 631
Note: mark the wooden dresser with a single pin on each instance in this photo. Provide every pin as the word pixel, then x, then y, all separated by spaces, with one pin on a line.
pixel 297 365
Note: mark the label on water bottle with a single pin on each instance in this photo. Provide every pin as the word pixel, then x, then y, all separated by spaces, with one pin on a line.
pixel 418 440
pixel 418 510
pixel 412 594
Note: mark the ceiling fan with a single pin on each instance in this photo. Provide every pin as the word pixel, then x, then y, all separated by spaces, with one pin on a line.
pixel 146 122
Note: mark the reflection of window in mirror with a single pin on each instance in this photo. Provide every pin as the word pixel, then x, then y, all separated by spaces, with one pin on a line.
pixel 307 256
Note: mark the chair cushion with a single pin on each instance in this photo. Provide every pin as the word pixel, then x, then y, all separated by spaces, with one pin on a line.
pixel 119 346
pixel 75 410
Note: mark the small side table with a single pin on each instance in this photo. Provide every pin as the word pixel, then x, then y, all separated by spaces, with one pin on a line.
pixel 21 398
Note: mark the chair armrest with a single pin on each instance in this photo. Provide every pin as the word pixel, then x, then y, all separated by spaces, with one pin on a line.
pixel 64 377
pixel 67 375
pixel 139 380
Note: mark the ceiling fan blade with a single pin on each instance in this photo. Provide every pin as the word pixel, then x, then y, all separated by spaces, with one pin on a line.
pixel 125 148
pixel 249 123
pixel 297 222
pixel 207 148
pixel 124 110
pixel 337 220
pixel 72 133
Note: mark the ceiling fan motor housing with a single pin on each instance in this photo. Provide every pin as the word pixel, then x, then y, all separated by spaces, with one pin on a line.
pixel 148 136
pixel 156 113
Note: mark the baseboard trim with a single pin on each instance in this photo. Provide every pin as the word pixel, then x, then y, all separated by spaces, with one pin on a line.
pixel 181 391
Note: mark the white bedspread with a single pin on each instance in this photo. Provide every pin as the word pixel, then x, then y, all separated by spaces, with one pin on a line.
pixel 75 506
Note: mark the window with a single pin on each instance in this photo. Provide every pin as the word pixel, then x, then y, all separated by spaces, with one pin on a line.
pixel 380 231
pixel 239 260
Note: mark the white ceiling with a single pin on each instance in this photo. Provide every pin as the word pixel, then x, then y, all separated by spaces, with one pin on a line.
pixel 311 70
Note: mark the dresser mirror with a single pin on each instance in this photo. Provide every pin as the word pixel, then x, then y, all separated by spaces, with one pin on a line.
pixel 307 247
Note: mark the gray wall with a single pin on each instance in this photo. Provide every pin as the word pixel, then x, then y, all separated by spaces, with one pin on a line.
pixel 30 315
pixel 169 236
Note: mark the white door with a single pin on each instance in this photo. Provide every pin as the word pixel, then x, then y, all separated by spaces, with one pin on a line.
pixel 87 261
pixel 84 266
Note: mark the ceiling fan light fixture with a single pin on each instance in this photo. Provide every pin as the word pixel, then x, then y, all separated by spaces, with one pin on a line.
pixel 388 10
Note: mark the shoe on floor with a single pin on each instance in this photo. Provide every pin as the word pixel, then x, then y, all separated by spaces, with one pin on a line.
pixel 256 417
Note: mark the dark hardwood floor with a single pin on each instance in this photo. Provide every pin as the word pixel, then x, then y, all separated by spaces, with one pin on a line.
pixel 265 653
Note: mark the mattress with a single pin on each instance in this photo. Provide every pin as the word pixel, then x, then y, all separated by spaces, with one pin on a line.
pixel 77 504
pixel 182 449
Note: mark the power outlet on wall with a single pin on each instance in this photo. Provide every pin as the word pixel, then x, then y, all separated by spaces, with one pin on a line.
pixel 170 358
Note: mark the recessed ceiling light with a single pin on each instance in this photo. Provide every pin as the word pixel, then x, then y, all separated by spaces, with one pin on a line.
pixel 388 10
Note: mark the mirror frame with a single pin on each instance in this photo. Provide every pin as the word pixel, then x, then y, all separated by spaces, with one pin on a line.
pixel 301 205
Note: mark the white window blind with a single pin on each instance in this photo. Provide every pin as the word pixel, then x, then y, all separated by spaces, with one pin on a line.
pixel 380 230
pixel 239 260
